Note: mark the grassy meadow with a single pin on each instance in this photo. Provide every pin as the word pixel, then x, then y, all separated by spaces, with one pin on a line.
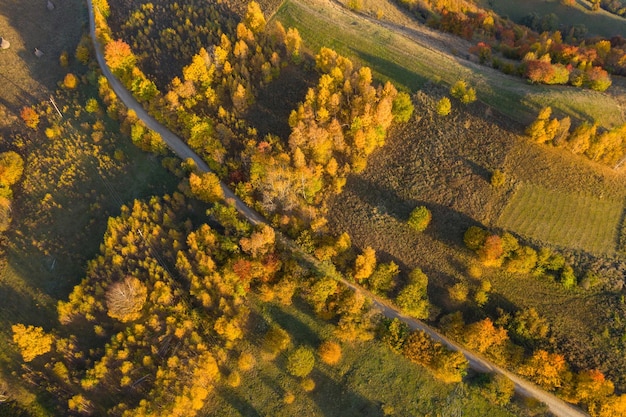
pixel 25 78
pixel 569 220
pixel 370 380
pixel 445 164
pixel 391 50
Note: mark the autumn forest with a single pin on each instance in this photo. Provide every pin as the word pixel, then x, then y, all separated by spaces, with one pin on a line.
pixel 317 208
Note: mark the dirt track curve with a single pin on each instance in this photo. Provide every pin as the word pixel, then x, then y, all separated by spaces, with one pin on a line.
pixel 557 406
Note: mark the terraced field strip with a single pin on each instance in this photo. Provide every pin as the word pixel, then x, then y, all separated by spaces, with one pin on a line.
pixel 567 219
pixel 407 56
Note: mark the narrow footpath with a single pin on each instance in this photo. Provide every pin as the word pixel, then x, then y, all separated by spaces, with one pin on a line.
pixel 557 406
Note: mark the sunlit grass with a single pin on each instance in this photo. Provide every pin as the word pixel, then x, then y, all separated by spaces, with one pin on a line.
pixel 369 379
pixel 565 219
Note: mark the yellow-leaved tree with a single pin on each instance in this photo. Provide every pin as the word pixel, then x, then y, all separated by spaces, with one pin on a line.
pixel 32 341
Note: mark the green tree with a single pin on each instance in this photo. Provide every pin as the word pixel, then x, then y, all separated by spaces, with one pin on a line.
pixel 320 291
pixel 461 91
pixel 301 361
pixel 402 108
pixel 275 341
pixel 474 237
pixel 499 389
pixel 11 168
pixel 394 333
pixel 382 280
pixel 206 187
pixel 444 106
pixel 413 298
pixel 420 219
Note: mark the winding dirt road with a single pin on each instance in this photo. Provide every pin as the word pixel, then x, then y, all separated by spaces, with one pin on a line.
pixel 557 406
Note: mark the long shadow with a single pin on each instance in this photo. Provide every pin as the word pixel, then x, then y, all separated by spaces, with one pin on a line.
pixel 300 331
pixel 393 71
pixel 447 225
pixel 238 402
pixel 31 25
pixel 19 307
pixel 335 400
pixel 274 103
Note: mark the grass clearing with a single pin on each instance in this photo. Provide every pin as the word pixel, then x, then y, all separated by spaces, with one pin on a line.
pixel 25 78
pixel 393 54
pixel 600 22
pixel 369 379
pixel 571 220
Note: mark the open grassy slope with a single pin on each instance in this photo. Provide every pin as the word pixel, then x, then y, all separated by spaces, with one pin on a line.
pixel 599 23
pixel 412 55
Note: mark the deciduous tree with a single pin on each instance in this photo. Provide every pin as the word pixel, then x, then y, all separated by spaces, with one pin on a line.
pixel 330 352
pixel 420 219
pixel 301 361
pixel 125 299
pixel 32 341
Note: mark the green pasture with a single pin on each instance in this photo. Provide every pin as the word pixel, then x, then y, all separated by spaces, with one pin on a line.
pixel 600 23
pixel 394 56
pixel 570 219
pixel 370 380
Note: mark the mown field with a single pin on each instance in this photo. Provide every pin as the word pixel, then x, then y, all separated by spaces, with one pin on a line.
pixel 569 220
pixel 391 51
pixel 601 22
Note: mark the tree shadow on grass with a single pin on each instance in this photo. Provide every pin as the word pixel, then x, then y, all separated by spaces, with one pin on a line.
pixel 238 402
pixel 31 25
pixel 393 71
pixel 336 399
pixel 20 307
pixel 447 225
pixel 300 332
